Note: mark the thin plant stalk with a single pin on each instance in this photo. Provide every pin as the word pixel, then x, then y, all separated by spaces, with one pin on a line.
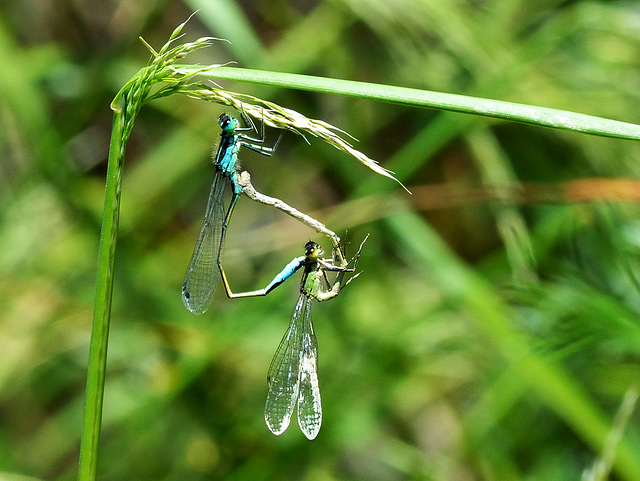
pixel 499 109
pixel 97 364
pixel 126 106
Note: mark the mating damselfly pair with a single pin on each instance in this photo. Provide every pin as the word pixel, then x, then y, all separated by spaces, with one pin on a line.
pixel 292 377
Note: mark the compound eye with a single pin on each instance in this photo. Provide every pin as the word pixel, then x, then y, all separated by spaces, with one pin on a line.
pixel 312 250
pixel 225 121
pixel 309 247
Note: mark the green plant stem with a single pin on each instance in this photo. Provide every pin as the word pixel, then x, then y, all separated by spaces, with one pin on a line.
pixel 126 106
pixel 102 308
pixel 529 114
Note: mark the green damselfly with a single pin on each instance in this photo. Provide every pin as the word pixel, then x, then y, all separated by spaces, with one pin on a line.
pixel 203 273
pixel 293 374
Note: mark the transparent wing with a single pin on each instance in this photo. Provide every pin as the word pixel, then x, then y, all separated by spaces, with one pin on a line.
pixel 203 274
pixel 309 406
pixel 283 376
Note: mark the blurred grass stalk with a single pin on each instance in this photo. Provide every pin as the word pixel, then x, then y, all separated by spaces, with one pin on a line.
pixel 178 79
pixel 602 466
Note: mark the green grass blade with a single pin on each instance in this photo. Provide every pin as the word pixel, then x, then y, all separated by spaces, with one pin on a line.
pixel 97 364
pixel 529 114
pixel 126 106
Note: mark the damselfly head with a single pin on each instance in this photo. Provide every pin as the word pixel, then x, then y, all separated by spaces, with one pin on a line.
pixel 227 123
pixel 312 250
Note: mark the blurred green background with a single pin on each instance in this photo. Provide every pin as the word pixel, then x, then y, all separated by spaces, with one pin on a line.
pixel 494 332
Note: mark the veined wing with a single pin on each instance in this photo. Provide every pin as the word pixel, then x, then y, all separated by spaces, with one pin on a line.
pixel 283 378
pixel 309 405
pixel 203 274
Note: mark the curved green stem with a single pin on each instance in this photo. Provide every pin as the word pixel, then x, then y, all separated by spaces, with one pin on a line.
pixel 102 307
pixel 529 114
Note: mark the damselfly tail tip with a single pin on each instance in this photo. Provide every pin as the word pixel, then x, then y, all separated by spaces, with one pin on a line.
pixel 189 303
pixel 276 429
pixel 311 435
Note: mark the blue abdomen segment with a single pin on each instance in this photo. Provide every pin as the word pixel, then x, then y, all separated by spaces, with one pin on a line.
pixel 285 273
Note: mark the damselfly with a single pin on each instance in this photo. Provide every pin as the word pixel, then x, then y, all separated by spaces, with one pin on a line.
pixel 203 273
pixel 293 374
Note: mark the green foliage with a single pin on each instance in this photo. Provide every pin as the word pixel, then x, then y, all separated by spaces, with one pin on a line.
pixel 494 332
